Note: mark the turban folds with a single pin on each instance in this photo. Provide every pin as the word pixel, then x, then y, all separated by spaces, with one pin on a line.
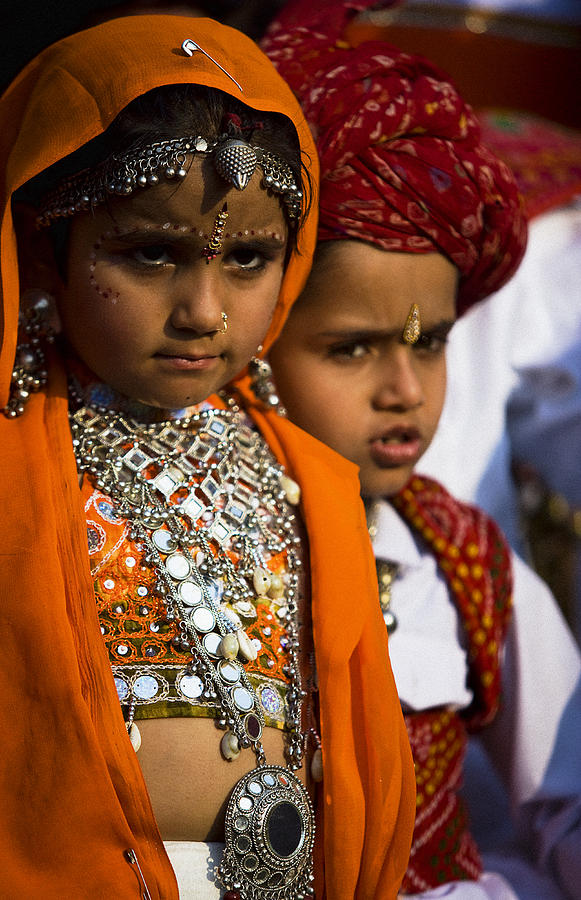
pixel 402 163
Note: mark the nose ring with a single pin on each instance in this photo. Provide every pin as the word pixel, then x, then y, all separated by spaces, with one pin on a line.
pixel 224 328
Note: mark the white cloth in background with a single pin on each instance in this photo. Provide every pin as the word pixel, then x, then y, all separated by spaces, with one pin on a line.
pixel 489 887
pixel 535 742
pixel 555 10
pixel 193 863
pixel 514 380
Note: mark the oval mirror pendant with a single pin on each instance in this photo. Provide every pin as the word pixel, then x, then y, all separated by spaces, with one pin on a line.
pixel 270 831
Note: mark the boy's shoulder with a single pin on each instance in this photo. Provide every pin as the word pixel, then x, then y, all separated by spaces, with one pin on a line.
pixel 469 546
pixel 428 507
pixel 475 559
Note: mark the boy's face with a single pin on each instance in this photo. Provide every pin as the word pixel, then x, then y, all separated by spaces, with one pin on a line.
pixel 342 367
pixel 143 308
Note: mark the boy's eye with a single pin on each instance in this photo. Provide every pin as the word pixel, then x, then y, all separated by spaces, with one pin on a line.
pixel 431 343
pixel 152 255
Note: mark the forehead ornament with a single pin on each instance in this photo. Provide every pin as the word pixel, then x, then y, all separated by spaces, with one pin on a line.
pixel 413 325
pixel 235 161
pixel 214 245
pixel 120 174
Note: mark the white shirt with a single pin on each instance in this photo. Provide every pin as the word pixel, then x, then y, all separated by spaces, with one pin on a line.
pixel 535 742
pixel 514 380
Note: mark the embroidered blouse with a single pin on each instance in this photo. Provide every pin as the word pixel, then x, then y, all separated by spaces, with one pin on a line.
pixel 229 500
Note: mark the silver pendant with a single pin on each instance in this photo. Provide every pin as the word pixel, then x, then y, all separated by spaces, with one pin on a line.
pixel 235 161
pixel 270 832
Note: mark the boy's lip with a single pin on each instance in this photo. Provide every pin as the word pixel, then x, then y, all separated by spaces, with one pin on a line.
pixel 396 446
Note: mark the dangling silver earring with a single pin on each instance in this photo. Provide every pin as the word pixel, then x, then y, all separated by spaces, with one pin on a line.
pixel 29 374
pixel 263 385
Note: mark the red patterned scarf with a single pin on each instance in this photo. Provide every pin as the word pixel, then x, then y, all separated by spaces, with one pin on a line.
pixel 475 560
pixel 474 557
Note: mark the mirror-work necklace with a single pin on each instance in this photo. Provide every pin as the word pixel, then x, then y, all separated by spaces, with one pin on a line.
pixel 209 505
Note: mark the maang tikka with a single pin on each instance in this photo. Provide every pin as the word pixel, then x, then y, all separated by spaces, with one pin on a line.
pixel 30 374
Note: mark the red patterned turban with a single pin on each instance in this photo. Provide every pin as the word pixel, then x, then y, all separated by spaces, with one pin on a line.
pixel 402 163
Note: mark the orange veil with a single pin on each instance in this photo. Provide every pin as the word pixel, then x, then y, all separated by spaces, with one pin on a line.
pixel 72 795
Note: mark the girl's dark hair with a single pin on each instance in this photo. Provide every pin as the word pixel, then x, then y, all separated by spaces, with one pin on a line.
pixel 168 112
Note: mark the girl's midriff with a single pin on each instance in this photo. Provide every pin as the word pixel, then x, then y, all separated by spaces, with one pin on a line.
pixel 189 782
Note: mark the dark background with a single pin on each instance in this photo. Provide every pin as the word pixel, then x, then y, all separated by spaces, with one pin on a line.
pixel 27 26
pixel 510 61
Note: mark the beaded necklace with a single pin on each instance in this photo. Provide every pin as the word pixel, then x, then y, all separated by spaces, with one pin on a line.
pixel 206 500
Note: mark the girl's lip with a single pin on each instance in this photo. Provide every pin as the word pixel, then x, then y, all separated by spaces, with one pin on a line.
pixel 187 363
pixel 396 447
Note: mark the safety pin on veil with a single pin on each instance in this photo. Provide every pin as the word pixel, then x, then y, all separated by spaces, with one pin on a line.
pixel 189 47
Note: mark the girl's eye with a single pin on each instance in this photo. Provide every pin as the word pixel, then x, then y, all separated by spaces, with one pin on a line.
pixel 350 350
pixel 152 255
pixel 247 258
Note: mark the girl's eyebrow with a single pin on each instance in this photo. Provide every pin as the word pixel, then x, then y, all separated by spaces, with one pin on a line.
pixel 183 233
pixel 139 235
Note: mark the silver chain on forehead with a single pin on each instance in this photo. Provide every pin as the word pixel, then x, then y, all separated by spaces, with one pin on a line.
pixel 234 159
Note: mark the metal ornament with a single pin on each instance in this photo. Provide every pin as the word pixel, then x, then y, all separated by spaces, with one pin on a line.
pixel 270 831
pixel 189 47
pixel 214 245
pixel 413 326
pixel 386 573
pixel 155 475
pixel 142 166
pixel 29 374
pixel 263 386
pixel 224 327
pixel 235 161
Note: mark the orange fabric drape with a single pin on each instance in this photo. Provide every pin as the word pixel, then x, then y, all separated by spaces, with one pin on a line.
pixel 72 795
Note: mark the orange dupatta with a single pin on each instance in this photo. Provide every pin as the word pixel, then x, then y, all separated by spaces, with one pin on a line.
pixel 73 796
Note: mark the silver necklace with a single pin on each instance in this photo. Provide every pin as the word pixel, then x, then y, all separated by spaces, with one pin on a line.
pixel 192 489
pixel 386 571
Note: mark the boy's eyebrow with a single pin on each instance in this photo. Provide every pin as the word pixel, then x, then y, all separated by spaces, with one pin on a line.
pixel 442 327
pixel 358 333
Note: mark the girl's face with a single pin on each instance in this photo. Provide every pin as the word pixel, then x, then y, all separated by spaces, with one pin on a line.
pixel 142 307
pixel 344 371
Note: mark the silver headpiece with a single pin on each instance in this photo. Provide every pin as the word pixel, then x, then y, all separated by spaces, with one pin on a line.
pixel 235 161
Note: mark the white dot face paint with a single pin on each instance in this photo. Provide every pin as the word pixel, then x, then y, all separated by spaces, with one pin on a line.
pixel 142 308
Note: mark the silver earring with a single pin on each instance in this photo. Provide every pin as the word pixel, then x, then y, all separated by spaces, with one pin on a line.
pixel 263 385
pixel 29 374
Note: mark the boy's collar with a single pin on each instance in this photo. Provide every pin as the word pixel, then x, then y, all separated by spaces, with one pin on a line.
pixel 392 539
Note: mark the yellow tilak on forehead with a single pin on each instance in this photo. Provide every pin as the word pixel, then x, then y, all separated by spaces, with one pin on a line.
pixel 413 325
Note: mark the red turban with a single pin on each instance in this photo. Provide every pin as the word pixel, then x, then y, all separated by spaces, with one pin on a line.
pixel 402 163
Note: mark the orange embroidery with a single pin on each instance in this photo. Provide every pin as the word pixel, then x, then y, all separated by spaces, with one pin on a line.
pixel 138 636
